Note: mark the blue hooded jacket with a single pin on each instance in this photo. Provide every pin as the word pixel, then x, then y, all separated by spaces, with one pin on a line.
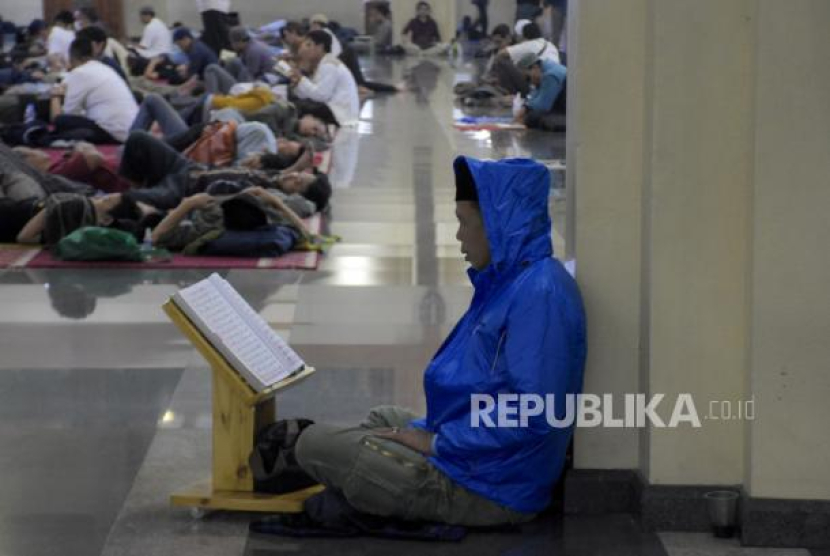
pixel 524 333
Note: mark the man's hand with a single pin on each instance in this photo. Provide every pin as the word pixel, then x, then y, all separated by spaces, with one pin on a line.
pixel 200 200
pixel 519 118
pixel 261 193
pixel 417 439
pixel 58 90
pixel 253 161
pixel 295 77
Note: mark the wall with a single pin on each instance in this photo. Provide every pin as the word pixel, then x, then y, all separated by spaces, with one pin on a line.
pixel 789 445
pixel 21 13
pixel 605 159
pixel 697 150
pixel 699 176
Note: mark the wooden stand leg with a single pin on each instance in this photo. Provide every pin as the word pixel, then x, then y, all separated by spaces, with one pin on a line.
pixel 238 413
pixel 234 425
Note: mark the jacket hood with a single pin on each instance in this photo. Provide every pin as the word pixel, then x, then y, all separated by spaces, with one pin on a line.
pixel 513 197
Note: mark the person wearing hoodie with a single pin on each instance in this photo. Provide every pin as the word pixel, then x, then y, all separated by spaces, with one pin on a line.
pixel 524 333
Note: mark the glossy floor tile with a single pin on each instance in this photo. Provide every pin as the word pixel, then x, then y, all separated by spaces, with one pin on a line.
pixel 548 535
pixel 106 408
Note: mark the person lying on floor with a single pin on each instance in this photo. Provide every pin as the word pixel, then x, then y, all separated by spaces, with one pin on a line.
pixel 31 178
pixel 524 333
pixel 163 176
pixel 281 117
pixel 546 104
pixel 97 104
pixel 253 213
pixel 47 221
pixel 83 164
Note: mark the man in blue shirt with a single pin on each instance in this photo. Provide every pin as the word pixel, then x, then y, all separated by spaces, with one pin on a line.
pixel 199 56
pixel 545 105
pixel 523 334
pixel 253 61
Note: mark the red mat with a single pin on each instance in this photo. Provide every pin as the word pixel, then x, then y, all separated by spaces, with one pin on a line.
pixel 18 256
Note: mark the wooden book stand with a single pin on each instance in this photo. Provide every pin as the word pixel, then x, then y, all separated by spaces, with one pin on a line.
pixel 239 412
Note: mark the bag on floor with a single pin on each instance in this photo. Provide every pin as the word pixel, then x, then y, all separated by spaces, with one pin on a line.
pixel 216 146
pixel 273 461
pixel 267 241
pixel 98 244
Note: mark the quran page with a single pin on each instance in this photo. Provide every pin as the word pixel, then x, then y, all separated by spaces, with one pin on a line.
pixel 242 336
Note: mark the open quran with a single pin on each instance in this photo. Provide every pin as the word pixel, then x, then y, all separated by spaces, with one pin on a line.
pixel 236 331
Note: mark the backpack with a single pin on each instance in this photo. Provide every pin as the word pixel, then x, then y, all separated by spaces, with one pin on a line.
pixel 216 146
pixel 273 461
pixel 98 244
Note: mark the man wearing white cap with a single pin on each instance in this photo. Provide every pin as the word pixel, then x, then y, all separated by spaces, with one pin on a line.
pixel 546 103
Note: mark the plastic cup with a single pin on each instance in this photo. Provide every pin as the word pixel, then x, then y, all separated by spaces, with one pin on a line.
pixel 723 512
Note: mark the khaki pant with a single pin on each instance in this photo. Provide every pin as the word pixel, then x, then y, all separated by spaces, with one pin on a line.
pixel 434 50
pixel 381 477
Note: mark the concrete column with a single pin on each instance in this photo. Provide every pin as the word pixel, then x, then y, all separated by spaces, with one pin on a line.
pixel 788 454
pixel 607 83
pixel 698 150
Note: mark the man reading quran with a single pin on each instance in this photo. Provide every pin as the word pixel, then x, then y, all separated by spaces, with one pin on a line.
pixel 524 333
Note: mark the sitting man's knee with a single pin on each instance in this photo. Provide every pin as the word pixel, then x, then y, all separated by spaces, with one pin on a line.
pixel 307 444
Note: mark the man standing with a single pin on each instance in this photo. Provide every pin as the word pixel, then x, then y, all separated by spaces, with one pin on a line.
pixel 98 106
pixel 528 9
pixel 331 82
pixel 215 23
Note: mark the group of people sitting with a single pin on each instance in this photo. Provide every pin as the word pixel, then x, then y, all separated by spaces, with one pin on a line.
pixel 523 65
pixel 222 164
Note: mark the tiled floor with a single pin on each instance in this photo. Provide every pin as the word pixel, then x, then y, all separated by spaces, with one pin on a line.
pixel 105 408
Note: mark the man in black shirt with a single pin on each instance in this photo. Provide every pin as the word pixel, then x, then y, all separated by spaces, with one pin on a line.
pixel 421 34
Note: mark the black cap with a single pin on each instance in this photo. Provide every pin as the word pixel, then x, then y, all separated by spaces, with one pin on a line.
pixel 465 186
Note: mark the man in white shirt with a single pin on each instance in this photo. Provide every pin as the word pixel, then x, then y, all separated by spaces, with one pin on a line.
pixel 320 22
pixel 331 82
pixel 532 42
pixel 98 106
pixel 156 38
pixel 60 37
